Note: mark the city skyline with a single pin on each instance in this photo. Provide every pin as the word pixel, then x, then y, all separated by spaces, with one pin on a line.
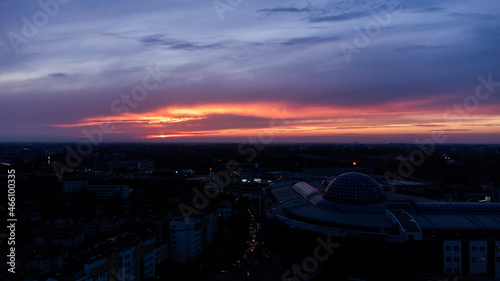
pixel 294 71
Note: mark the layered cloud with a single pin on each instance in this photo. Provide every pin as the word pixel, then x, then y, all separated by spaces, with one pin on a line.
pixel 224 79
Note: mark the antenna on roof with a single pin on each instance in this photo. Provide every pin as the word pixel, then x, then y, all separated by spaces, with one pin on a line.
pixel 354 167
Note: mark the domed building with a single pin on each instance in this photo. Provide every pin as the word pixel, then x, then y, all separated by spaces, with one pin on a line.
pixel 354 206
pixel 354 188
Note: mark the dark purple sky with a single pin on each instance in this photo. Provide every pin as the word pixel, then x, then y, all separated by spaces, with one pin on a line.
pixel 329 71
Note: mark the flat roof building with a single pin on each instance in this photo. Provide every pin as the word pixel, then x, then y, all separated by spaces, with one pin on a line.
pixel 355 207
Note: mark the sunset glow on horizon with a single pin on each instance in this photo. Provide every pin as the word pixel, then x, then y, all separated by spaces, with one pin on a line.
pixel 293 120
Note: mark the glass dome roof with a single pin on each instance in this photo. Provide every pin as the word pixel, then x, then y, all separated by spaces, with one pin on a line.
pixel 354 188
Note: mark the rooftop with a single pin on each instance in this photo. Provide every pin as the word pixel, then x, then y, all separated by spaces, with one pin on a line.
pixel 354 188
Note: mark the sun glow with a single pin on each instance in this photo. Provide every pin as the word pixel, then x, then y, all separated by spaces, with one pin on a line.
pixel 285 120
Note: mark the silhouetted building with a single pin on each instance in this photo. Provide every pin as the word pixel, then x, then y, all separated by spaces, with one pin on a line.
pixel 189 239
pixel 101 191
pixel 466 236
pixel 109 191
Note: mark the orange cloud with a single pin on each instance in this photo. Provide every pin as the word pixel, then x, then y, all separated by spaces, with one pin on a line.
pixel 296 120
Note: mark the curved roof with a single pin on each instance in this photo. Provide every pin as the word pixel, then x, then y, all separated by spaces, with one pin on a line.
pixel 355 189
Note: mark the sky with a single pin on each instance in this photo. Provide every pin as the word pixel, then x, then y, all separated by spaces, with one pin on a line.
pixel 242 70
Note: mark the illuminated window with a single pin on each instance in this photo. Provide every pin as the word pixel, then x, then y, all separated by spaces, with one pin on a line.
pixel 482 259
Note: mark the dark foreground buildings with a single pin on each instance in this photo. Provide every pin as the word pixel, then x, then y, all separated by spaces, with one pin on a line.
pixel 389 240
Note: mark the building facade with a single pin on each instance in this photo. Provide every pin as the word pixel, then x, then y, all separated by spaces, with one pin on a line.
pixel 101 191
pixel 189 239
